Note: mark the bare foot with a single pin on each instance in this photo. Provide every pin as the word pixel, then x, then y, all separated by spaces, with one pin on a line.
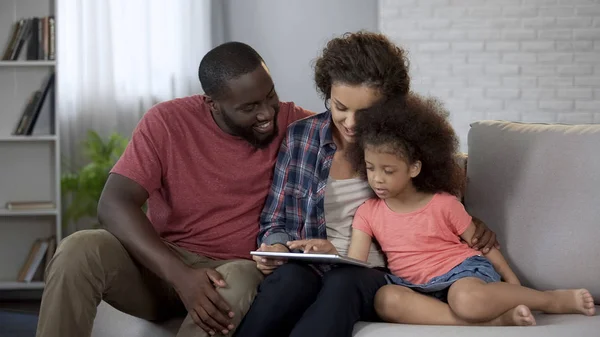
pixel 519 316
pixel 572 301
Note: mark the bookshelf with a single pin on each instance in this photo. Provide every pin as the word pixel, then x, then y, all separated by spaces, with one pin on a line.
pixel 27 63
pixel 30 162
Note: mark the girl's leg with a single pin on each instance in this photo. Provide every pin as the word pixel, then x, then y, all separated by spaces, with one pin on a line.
pixel 474 300
pixel 398 304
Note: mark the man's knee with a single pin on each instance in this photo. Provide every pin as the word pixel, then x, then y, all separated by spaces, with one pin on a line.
pixel 242 279
pixel 82 250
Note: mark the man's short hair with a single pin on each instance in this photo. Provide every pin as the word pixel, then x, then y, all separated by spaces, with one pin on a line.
pixel 225 62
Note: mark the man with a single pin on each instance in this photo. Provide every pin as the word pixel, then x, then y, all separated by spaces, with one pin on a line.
pixel 204 165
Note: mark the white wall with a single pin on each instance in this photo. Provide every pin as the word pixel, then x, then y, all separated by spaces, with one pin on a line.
pixel 521 60
pixel 289 34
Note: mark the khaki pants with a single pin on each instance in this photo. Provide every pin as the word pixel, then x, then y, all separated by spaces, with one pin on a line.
pixel 90 266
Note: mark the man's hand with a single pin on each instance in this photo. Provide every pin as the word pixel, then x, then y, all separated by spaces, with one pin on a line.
pixel 266 265
pixel 315 246
pixel 483 239
pixel 197 290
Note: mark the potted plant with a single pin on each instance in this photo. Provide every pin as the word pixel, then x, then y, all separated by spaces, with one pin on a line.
pixel 81 188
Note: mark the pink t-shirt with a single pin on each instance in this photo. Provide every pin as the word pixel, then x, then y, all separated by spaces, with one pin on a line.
pixel 207 188
pixel 419 245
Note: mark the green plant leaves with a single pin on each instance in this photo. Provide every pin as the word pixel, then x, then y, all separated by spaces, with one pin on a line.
pixel 81 189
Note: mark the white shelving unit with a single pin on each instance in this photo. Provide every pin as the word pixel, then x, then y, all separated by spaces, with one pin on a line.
pixel 29 165
pixel 26 63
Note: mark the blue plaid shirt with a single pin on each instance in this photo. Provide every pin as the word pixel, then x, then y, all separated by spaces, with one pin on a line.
pixel 295 208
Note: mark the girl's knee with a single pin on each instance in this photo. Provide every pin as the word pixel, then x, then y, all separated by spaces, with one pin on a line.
pixel 467 302
pixel 388 301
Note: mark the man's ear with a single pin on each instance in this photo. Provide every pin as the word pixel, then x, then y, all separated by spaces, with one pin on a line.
pixel 214 106
pixel 415 168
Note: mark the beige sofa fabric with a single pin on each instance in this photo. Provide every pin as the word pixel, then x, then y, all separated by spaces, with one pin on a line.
pixel 538 187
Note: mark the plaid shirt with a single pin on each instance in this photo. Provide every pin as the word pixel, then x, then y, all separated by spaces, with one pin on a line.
pixel 294 208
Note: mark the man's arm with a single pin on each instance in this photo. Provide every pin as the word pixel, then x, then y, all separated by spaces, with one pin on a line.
pixel 120 212
pixel 495 257
pixel 139 173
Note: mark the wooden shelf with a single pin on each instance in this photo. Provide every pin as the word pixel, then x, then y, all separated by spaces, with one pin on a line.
pixel 27 63
pixel 13 285
pixel 32 138
pixel 37 212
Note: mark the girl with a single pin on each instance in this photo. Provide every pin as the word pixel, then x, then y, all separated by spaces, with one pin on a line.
pixel 315 193
pixel 406 148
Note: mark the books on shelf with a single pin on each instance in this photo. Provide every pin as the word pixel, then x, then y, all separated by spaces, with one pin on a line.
pixel 40 254
pixel 29 205
pixel 38 34
pixel 29 117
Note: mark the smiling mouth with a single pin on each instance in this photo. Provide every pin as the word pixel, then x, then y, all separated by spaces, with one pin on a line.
pixel 264 127
pixel 349 132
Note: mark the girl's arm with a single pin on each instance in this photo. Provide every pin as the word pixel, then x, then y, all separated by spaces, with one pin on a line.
pixel 495 257
pixel 360 243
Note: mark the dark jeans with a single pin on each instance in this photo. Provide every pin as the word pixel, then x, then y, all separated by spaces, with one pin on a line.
pixel 295 301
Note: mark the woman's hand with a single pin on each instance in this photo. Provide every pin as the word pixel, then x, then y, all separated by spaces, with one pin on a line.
pixel 315 246
pixel 266 265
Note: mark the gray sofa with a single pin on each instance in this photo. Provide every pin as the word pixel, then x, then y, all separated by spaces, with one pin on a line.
pixel 538 187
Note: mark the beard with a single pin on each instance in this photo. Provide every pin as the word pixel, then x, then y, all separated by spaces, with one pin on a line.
pixel 257 140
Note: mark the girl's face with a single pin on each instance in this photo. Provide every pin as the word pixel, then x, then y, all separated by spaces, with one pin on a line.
pixel 346 100
pixel 388 174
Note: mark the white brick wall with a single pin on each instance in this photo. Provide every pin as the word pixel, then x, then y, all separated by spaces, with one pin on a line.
pixel 521 60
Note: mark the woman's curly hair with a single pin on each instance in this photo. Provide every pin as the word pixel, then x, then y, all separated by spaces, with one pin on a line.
pixel 414 128
pixel 363 58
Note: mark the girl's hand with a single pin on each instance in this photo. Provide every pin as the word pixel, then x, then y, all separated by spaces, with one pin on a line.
pixel 514 281
pixel 315 246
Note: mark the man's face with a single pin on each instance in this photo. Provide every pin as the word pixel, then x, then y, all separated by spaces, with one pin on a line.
pixel 250 107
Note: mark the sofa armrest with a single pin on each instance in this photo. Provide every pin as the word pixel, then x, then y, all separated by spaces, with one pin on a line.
pixel 462 159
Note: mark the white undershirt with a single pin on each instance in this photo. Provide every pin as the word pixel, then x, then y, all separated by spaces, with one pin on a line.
pixel 342 198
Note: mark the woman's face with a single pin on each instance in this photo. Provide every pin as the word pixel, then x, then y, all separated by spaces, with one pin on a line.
pixel 346 100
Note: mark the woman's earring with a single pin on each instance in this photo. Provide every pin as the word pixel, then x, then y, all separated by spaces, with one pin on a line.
pixel 327 104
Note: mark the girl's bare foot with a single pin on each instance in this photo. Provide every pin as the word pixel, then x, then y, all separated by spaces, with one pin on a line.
pixel 519 316
pixel 572 301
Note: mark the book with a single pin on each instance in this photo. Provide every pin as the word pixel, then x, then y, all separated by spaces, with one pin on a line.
pixel 33 261
pixel 29 205
pixel 34 35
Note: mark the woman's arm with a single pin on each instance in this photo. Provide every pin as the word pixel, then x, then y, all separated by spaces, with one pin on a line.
pixel 495 257
pixel 272 220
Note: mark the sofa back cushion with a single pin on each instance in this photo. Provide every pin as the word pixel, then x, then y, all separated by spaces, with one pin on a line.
pixel 538 187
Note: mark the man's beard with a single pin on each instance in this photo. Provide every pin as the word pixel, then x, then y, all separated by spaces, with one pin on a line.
pixel 248 133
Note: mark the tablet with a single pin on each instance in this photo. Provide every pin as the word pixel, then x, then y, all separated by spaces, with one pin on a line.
pixel 312 258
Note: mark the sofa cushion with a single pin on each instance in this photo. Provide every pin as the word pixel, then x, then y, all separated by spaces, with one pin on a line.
pixel 547 326
pixel 538 187
pixel 112 323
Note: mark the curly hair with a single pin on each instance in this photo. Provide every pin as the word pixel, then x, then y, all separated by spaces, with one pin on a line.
pixel 362 58
pixel 414 128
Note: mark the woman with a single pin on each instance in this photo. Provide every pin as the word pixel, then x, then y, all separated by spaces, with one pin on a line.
pixel 314 195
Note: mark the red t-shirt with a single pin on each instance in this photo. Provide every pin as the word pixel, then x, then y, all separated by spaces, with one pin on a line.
pixel 207 188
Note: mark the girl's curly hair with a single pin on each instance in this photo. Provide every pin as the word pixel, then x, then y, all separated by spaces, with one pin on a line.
pixel 362 58
pixel 414 128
